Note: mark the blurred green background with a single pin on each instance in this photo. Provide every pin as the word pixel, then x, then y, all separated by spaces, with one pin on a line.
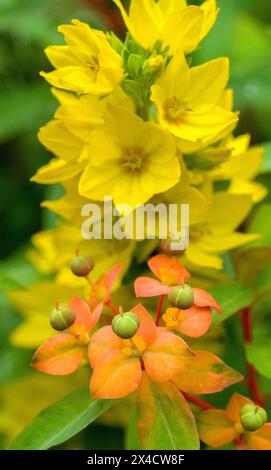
pixel 242 32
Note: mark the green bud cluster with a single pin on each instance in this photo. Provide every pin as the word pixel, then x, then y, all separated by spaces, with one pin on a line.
pixel 125 325
pixel 142 68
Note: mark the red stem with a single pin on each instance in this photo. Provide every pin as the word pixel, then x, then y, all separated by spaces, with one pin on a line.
pixel 110 304
pixel 110 17
pixel 159 309
pixel 251 371
pixel 204 405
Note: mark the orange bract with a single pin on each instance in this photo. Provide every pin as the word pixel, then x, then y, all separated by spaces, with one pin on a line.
pixel 220 427
pixel 193 322
pixel 168 269
pixel 62 354
pixel 118 368
pixel 101 290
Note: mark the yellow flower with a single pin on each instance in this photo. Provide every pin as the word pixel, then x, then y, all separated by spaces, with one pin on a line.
pixel 130 159
pixel 68 135
pixel 87 64
pixel 68 206
pixel 172 22
pixel 188 147
pixel 218 233
pixel 241 168
pixel 187 100
pixel 53 250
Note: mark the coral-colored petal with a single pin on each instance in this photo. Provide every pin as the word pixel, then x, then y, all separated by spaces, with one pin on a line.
pixel 260 440
pixel 215 429
pixel 163 358
pixel 103 342
pixel 147 328
pixel 147 287
pixel 234 406
pixel 111 277
pixel 204 299
pixel 168 269
pixel 205 373
pixel 196 323
pixel 60 355
pixel 116 376
pixel 83 314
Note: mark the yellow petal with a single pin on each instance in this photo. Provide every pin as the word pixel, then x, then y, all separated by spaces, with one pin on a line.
pixel 208 82
pixel 57 170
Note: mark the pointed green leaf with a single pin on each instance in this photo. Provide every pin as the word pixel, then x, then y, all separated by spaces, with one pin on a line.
pixel 61 421
pixel 165 421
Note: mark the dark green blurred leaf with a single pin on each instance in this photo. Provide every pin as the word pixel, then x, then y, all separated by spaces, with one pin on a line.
pixel 7 284
pixel 232 298
pixel 261 225
pixel 266 166
pixel 14 364
pixel 62 420
pixel 259 355
pixel 23 109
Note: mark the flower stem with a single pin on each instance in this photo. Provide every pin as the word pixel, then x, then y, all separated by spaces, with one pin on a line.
pixel 204 405
pixel 251 371
pixel 110 304
pixel 159 309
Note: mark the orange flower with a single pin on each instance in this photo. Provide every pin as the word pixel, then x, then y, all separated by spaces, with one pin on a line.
pixel 101 290
pixel 195 321
pixel 118 363
pixel 63 353
pixel 218 427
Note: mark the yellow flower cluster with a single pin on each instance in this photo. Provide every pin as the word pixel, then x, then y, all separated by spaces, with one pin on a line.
pixel 139 121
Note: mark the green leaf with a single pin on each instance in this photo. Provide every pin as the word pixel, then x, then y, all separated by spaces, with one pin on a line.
pixel 35 100
pixel 266 165
pixel 7 283
pixel 131 438
pixel 261 226
pixel 231 297
pixel 61 421
pixel 259 354
pixel 165 421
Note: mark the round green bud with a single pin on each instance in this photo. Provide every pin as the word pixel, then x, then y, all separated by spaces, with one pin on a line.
pixel 181 296
pixel 62 318
pixel 126 325
pixel 252 417
pixel 81 265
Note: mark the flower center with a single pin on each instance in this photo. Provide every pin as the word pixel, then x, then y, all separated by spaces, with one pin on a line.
pixel 134 347
pixel 80 333
pixel 175 110
pixel 93 63
pixel 133 159
pixel 173 317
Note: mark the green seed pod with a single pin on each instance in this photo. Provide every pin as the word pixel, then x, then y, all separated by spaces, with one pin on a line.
pixel 166 247
pixel 81 265
pixel 252 417
pixel 181 296
pixel 62 318
pixel 126 325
